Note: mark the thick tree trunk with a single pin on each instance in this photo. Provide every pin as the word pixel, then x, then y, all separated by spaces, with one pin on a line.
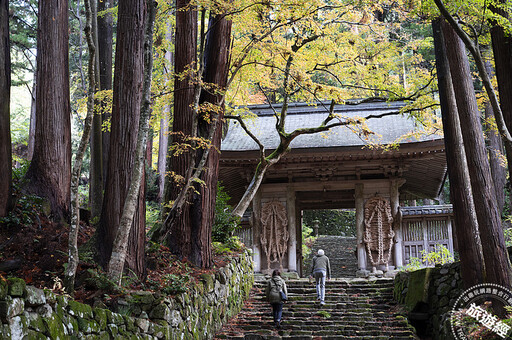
pixel 497 264
pixel 179 238
pixel 117 260
pixel 5 123
pixel 502 49
pixel 105 38
pixel 127 94
pixel 466 225
pixel 52 148
pixel 495 150
pixel 216 60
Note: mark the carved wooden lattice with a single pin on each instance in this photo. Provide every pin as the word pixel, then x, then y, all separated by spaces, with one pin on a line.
pixel 274 233
pixel 378 234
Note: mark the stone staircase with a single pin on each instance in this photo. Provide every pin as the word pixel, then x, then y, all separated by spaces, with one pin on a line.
pixel 354 309
pixel 341 253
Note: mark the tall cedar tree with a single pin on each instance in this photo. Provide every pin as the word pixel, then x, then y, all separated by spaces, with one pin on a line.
pixel 497 266
pixel 127 92
pixel 502 49
pixel 466 226
pixel 5 94
pixel 180 236
pixel 52 146
pixel 105 38
pixel 216 60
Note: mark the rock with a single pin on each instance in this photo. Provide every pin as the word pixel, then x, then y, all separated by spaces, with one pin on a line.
pixel 11 307
pixel 45 310
pixel 35 296
pixel 161 312
pixel 80 310
pixel 443 289
pixel 16 287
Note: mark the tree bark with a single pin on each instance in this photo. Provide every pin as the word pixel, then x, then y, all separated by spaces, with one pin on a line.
pixel 105 38
pixel 52 148
pixel 163 142
pixel 73 257
pixel 32 126
pixel 466 225
pixel 96 161
pixel 497 264
pixel 179 238
pixel 216 66
pixel 163 139
pixel 495 150
pixel 127 94
pixel 502 49
pixel 117 260
pixel 5 123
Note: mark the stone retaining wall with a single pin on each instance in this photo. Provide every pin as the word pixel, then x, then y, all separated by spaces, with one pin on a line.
pixel 428 295
pixel 30 313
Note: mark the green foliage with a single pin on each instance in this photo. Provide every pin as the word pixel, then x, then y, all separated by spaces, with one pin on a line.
pixel 233 244
pixel 308 240
pixel 98 279
pixel 25 212
pixel 225 223
pixel 441 255
pixel 507 233
pixel 332 222
pixel 174 284
pixel 414 264
pixel 152 215
pixel 27 207
pixel 323 313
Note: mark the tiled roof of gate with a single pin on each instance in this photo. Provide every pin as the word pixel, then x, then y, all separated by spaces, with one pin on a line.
pixel 302 115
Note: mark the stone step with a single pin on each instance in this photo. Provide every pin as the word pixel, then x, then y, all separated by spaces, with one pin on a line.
pixel 354 309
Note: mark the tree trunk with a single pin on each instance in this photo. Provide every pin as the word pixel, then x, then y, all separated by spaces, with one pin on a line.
pixel 163 139
pixel 52 148
pixel 489 220
pixel 216 60
pixel 127 94
pixel 32 126
pixel 163 142
pixel 5 123
pixel 495 151
pixel 179 238
pixel 466 225
pixel 96 161
pixel 73 259
pixel 105 37
pixel 502 50
pixel 116 264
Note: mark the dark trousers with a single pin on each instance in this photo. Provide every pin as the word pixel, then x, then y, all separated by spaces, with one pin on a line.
pixel 277 311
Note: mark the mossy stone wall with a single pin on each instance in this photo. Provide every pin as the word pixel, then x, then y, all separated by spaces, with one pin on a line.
pixel 30 313
pixel 432 291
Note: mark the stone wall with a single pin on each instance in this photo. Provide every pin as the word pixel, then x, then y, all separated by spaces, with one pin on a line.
pixel 28 312
pixel 428 295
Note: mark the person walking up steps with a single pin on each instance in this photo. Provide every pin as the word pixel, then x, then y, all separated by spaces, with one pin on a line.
pixel 320 270
pixel 273 293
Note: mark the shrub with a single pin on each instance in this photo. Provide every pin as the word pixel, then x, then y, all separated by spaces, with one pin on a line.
pixel 225 223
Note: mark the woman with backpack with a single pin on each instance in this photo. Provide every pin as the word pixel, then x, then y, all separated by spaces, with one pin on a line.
pixel 276 293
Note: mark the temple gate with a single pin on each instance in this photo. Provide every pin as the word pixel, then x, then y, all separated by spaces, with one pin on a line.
pixel 335 170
